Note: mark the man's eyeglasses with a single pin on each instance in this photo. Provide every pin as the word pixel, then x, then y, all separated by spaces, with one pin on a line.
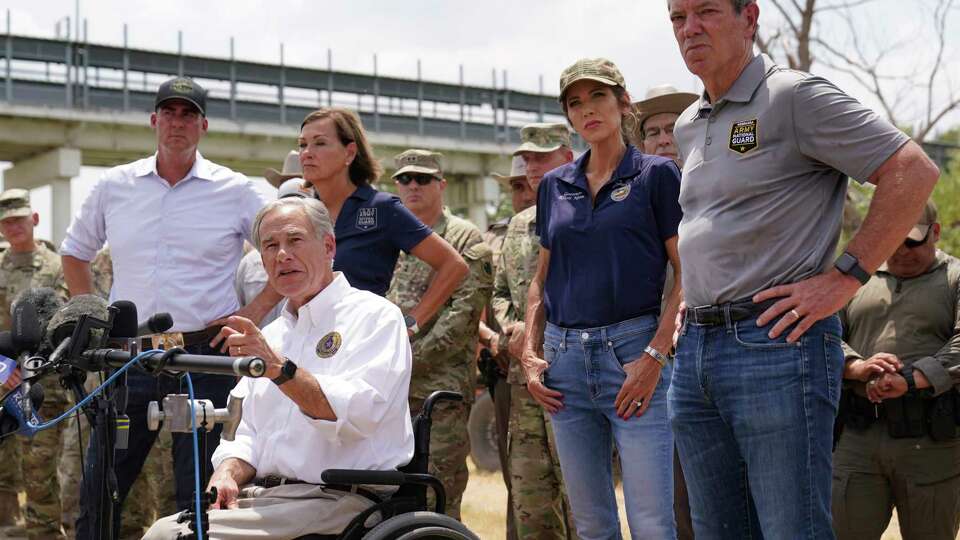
pixel 420 179
pixel 911 244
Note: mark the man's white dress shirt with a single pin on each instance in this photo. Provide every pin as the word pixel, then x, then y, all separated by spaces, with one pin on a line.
pixel 174 249
pixel 355 344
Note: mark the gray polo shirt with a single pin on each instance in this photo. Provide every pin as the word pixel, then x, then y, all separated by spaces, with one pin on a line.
pixel 765 178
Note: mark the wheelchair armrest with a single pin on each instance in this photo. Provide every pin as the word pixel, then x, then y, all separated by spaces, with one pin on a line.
pixel 386 478
pixel 356 476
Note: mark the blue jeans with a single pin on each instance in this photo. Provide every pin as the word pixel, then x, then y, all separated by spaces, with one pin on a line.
pixel 586 366
pixel 753 419
pixel 142 389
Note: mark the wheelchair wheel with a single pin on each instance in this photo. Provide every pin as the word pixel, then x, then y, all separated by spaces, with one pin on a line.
pixel 420 525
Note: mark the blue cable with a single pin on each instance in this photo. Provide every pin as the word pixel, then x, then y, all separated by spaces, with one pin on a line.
pixel 196 458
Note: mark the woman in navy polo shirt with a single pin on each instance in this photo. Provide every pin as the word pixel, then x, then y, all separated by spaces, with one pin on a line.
pixel 607 224
pixel 371 227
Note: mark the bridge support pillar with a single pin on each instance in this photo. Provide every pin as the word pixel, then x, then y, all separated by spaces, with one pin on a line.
pixel 54 168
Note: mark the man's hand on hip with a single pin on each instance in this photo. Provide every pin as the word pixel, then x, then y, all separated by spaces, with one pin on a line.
pixel 240 337
pixel 805 302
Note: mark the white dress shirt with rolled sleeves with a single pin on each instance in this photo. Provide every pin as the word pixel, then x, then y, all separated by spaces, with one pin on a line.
pixel 174 249
pixel 365 376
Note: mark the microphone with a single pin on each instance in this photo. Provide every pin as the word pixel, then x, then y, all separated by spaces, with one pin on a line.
pixel 244 366
pixel 32 311
pixel 124 321
pixel 156 324
pixel 64 321
pixel 16 411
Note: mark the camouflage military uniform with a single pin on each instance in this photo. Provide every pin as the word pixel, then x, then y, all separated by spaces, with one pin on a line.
pixel 539 506
pixel 151 495
pixel 443 350
pixel 39 455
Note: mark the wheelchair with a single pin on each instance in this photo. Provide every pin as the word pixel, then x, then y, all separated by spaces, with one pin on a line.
pixel 404 514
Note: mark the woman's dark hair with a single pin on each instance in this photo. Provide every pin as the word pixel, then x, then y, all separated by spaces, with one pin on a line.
pixel 364 169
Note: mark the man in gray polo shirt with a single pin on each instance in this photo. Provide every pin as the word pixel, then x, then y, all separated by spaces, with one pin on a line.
pixel 767 152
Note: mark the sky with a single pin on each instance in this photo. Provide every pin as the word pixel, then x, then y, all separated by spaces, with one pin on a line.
pixel 527 38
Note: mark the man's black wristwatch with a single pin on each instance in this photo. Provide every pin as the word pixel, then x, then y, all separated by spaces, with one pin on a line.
pixel 850 265
pixel 287 372
pixel 907 375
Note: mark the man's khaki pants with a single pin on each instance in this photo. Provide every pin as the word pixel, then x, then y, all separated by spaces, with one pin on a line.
pixel 282 512
pixel 873 472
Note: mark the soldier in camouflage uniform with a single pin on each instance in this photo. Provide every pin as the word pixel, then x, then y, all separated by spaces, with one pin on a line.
pixel 152 494
pixel 492 335
pixel 538 500
pixel 29 264
pixel 443 350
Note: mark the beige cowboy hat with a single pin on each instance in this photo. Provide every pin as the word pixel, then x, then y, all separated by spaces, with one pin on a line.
pixel 291 169
pixel 662 99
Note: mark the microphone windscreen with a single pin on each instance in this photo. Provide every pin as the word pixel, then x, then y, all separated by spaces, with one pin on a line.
pixel 31 313
pixel 6 345
pixel 36 396
pixel 63 322
pixel 160 322
pixel 125 320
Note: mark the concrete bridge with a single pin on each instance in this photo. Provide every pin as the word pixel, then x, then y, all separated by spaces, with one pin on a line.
pixel 66 103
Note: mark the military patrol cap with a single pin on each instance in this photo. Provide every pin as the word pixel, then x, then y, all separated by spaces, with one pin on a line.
pixel 543 138
pixel 662 99
pixel 291 169
pixel 15 203
pixel 920 230
pixel 518 170
pixel 595 69
pixel 183 88
pixel 418 161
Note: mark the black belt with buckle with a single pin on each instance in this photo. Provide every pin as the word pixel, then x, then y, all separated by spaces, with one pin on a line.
pixel 717 314
pixel 200 337
pixel 274 480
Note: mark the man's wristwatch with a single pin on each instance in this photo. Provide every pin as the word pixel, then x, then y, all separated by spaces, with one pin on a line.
pixel 411 323
pixel 287 372
pixel 850 265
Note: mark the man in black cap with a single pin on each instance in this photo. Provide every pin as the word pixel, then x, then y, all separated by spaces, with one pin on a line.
pixel 175 223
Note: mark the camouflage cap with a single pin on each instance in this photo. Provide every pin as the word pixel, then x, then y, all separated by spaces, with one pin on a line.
pixel 927 218
pixel 595 69
pixel 418 161
pixel 15 203
pixel 518 170
pixel 543 138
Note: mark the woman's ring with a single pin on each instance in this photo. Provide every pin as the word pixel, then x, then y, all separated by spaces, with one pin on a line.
pixel 638 402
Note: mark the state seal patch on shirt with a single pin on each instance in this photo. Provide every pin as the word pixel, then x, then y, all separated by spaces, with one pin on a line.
pixel 743 136
pixel 329 345
pixel 620 193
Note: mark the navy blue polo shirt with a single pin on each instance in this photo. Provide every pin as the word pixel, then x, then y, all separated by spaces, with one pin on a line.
pixel 607 257
pixel 371 229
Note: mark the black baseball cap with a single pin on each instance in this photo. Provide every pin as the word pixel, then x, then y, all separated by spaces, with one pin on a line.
pixel 183 88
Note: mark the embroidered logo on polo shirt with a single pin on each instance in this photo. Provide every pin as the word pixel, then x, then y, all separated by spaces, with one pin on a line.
pixel 571 196
pixel 620 193
pixel 367 219
pixel 329 345
pixel 743 136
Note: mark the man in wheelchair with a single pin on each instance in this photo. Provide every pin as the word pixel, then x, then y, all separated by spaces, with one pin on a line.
pixel 334 395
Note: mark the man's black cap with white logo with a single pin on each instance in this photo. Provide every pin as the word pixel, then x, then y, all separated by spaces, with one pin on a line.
pixel 183 88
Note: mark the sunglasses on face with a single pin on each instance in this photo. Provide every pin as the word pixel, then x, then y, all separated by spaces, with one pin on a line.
pixel 911 244
pixel 420 179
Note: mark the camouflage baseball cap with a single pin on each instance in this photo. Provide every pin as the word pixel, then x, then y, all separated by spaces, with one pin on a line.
pixel 418 161
pixel 920 230
pixel 595 69
pixel 543 138
pixel 518 170
pixel 15 203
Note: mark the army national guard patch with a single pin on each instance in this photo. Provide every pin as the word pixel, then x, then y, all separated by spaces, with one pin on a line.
pixel 743 136
pixel 329 345
pixel 367 219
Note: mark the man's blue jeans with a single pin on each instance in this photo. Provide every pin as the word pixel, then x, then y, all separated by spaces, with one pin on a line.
pixel 586 366
pixel 753 419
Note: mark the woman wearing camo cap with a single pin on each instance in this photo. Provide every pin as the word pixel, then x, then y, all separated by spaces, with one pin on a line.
pixel 607 224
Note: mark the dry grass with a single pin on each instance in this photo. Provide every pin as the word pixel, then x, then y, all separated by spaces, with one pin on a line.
pixel 485 502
